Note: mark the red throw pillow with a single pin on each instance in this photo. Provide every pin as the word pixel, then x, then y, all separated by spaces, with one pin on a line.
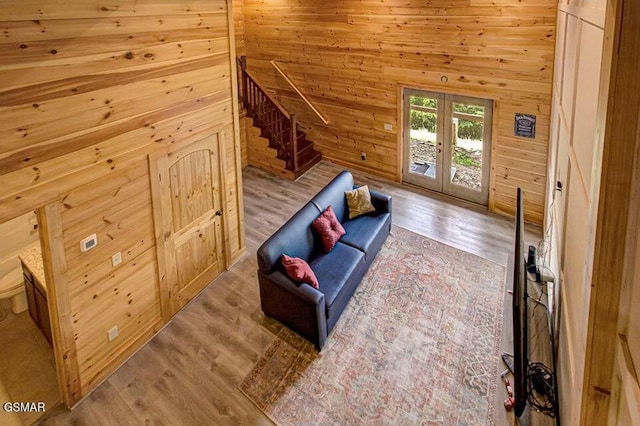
pixel 329 228
pixel 299 271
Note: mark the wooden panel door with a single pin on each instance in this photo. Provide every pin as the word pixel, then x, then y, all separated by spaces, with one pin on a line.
pixel 187 210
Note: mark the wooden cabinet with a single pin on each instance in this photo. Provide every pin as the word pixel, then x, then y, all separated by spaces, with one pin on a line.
pixel 43 315
pixel 37 301
pixel 31 296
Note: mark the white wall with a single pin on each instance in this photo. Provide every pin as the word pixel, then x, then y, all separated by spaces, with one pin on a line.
pixel 594 223
pixel 575 162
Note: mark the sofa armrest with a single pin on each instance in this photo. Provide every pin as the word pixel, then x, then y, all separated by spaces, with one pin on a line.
pixel 382 202
pixel 300 307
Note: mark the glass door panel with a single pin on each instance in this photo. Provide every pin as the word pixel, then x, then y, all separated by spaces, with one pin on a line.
pixel 423 139
pixel 468 140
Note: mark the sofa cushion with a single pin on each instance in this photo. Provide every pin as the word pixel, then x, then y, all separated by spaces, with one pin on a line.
pixel 333 195
pixel 295 238
pixel 364 231
pixel 359 201
pixel 329 229
pixel 299 270
pixel 335 272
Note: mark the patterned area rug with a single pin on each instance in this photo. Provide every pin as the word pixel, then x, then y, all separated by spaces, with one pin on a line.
pixel 417 344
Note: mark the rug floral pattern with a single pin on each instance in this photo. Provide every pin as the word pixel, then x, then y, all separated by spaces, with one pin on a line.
pixel 417 344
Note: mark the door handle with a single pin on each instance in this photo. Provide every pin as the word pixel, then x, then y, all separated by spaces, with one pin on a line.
pixel 219 213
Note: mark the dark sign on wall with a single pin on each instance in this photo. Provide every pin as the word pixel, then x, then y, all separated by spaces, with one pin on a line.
pixel 525 125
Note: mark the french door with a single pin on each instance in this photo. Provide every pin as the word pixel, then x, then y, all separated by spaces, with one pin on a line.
pixel 447 143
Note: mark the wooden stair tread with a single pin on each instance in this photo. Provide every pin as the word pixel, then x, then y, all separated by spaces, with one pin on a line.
pixel 304 144
pixel 307 161
pixel 308 156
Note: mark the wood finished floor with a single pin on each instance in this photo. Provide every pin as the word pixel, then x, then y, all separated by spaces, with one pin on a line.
pixel 190 372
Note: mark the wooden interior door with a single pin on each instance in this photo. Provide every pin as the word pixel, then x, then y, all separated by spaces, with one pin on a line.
pixel 187 210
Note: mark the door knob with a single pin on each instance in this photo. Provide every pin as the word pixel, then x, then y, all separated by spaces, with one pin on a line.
pixel 219 213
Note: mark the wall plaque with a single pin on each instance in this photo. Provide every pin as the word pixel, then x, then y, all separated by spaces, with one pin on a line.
pixel 525 125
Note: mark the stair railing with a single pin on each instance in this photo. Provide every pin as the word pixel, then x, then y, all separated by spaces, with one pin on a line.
pixel 299 92
pixel 281 128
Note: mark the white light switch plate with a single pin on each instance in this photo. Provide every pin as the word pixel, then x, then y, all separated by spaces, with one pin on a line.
pixel 116 259
pixel 388 126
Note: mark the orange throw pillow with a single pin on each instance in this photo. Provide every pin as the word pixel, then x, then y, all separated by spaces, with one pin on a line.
pixel 329 228
pixel 299 271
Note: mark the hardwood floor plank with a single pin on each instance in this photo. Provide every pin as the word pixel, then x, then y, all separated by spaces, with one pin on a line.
pixel 190 372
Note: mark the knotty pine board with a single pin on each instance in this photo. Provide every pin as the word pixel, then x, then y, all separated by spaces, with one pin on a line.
pixel 101 296
pixel 238 24
pixel 352 59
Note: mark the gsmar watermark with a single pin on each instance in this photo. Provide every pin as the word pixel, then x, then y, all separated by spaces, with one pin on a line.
pixel 23 407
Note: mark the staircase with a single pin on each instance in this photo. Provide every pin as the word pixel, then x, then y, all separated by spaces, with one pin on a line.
pixel 274 140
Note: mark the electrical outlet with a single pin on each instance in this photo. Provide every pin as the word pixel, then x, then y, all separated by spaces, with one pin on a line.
pixel 113 333
pixel 388 126
pixel 116 259
pixel 363 155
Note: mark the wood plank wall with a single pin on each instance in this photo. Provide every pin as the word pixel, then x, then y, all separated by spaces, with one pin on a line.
pixel 17 234
pixel 118 209
pixel 87 90
pixel 351 58
pixel 238 25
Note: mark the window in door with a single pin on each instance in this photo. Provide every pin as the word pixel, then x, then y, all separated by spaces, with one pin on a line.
pixel 447 141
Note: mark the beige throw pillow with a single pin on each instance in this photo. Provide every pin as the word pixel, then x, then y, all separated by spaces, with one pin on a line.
pixel 359 201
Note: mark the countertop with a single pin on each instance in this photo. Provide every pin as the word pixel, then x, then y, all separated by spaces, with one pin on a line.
pixel 32 259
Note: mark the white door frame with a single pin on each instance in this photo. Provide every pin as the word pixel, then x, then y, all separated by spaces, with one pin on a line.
pixel 442 181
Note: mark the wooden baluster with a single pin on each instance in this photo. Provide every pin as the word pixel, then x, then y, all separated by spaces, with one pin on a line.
pixel 278 129
pixel 247 98
pixel 251 94
pixel 294 141
pixel 274 139
pixel 244 85
pixel 251 98
pixel 240 79
pixel 283 141
pixel 257 100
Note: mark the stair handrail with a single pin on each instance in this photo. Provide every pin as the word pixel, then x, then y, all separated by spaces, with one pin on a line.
pixel 280 126
pixel 297 90
pixel 268 95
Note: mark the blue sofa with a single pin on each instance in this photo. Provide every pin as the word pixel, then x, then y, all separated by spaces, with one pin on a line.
pixel 310 312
